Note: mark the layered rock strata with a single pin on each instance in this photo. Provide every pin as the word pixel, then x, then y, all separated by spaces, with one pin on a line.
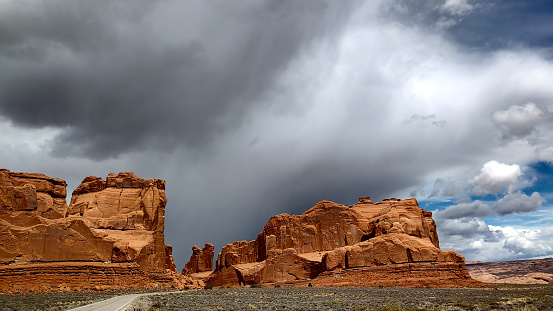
pixel 332 239
pixel 115 224
pixel 55 276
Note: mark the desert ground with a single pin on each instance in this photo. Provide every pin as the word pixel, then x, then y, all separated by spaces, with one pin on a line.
pixel 493 297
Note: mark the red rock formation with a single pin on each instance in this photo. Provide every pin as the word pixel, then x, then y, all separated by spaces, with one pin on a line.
pixel 331 237
pixel 120 220
pixel 201 259
pixel 418 274
pixel 48 276
pixel 169 260
pixel 28 192
pixel 131 211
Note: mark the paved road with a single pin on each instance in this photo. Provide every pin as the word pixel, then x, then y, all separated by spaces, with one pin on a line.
pixel 113 304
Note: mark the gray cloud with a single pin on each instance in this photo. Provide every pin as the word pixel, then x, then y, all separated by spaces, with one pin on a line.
pixel 518 203
pixel 467 227
pixel 519 121
pixel 417 117
pixel 473 209
pixel 109 80
pixel 449 188
pixel 546 155
pixel 510 203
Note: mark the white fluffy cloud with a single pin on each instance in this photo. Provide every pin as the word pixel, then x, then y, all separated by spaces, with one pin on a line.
pixel 454 11
pixel 477 240
pixel 457 7
pixel 546 155
pixel 496 177
pixel 466 227
pixel 524 243
pixel 518 203
pixel 462 227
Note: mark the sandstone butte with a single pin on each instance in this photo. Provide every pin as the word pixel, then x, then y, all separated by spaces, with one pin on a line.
pixel 388 243
pixel 110 235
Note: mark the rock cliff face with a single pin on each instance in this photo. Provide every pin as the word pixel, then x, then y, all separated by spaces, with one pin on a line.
pixel 117 223
pixel 334 239
pixel 201 260
pixel 128 209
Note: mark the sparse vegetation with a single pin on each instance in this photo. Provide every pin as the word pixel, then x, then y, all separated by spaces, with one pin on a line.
pixel 157 305
pixel 55 301
pixel 395 308
pixel 208 287
pixel 507 297
pixel 255 286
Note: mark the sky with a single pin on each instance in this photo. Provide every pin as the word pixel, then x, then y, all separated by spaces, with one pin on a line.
pixel 254 108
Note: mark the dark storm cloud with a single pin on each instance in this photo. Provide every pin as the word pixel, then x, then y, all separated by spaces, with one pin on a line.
pixel 238 191
pixel 121 77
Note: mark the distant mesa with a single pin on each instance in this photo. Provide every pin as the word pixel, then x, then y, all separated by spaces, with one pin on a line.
pixel 110 236
pixel 388 243
pixel 531 271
